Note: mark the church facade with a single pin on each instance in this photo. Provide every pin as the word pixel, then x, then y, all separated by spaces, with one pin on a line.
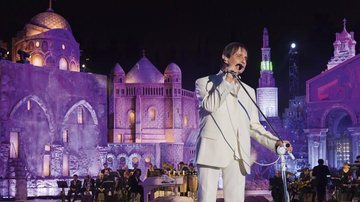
pixel 333 111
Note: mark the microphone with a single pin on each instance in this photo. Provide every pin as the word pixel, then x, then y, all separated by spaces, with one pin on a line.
pixel 230 72
pixel 282 151
pixel 290 153
pixel 240 66
pixel 235 74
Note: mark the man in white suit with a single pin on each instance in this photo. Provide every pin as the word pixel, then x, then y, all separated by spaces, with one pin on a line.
pixel 228 120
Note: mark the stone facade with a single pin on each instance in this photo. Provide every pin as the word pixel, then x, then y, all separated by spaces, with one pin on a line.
pixel 56 121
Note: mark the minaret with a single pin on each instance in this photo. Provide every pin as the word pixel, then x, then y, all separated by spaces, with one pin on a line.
pixel 267 93
pixel 344 47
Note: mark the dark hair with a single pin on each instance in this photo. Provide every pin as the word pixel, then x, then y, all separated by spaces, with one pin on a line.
pixel 321 161
pixel 229 50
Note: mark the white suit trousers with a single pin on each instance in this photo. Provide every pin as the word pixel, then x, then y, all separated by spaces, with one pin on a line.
pixel 233 180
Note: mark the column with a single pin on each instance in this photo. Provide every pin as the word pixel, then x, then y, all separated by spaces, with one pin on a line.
pixel 355 142
pixel 138 118
pixel 316 144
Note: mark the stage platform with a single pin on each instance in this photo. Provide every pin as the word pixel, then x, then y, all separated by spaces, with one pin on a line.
pixel 251 196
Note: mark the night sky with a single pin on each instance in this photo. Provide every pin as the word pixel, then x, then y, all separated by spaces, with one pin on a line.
pixel 193 33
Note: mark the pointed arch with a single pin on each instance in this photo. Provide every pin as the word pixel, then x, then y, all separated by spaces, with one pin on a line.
pixel 41 103
pixel 85 104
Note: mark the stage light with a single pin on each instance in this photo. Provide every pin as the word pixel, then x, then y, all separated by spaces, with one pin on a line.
pixel 293 45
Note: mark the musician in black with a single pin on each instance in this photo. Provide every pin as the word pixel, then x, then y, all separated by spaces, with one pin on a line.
pixel 135 186
pixel 346 179
pixel 357 167
pixel 106 168
pixel 321 173
pixel 89 186
pixel 122 187
pixel 276 187
pixel 345 174
pixel 306 185
pixel 100 188
pixel 75 188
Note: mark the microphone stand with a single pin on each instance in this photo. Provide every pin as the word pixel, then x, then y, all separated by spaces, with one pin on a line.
pixel 280 150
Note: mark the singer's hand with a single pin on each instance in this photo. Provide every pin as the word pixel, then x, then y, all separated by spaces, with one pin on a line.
pixel 231 72
pixel 286 144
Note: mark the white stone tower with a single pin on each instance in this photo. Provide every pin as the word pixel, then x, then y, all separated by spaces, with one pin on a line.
pixel 267 93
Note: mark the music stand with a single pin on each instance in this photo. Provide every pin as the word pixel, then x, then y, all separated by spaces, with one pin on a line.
pixel 62 185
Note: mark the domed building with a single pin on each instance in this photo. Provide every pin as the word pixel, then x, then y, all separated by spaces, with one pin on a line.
pixel 49 41
pixel 57 123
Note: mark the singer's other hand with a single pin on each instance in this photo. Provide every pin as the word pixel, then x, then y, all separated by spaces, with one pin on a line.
pixel 286 144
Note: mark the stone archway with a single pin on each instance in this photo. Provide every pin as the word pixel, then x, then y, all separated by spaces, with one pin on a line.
pixel 338 138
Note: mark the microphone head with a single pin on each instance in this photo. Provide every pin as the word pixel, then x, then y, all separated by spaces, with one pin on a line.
pixel 240 66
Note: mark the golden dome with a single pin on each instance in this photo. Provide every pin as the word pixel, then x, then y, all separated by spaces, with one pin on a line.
pixel 50 20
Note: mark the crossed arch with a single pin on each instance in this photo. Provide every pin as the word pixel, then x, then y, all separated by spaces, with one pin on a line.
pixel 85 104
pixel 41 103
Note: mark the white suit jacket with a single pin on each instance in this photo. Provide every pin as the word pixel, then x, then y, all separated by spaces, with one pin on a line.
pixel 227 121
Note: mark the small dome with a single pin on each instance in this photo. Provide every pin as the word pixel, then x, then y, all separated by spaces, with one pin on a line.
pixel 50 20
pixel 172 68
pixel 118 70
pixel 144 72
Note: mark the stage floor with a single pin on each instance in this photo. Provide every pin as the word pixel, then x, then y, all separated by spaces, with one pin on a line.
pixel 251 196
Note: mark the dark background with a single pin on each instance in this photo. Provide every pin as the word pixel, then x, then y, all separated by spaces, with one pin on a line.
pixel 193 33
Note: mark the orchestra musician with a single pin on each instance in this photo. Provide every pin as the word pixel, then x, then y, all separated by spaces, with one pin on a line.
pixel 346 179
pixel 88 186
pixel 136 188
pixel 306 186
pixel 100 188
pixel 122 187
pixel 106 168
pixel 321 174
pixel 276 187
pixel 75 188
pixel 357 167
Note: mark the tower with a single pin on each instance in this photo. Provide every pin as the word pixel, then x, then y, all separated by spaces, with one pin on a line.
pixel 117 81
pixel 267 93
pixel 293 72
pixel 344 47
pixel 172 82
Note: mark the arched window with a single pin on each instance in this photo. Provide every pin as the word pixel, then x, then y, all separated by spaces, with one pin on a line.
pixel 14 144
pixel 65 165
pixel 65 136
pixel 46 165
pixel 152 113
pixel 122 162
pixel 37 60
pixel 135 162
pixel 80 115
pixel 186 121
pixel 73 66
pixel 132 118
pixel 63 64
